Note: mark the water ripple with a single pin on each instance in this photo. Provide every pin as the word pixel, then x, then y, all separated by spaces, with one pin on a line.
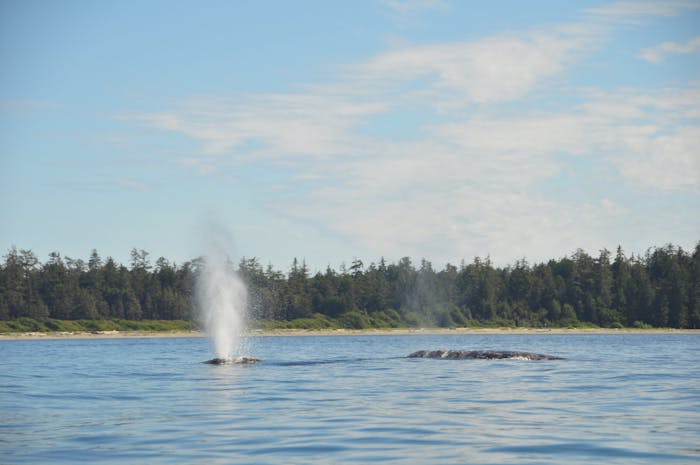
pixel 564 450
pixel 615 400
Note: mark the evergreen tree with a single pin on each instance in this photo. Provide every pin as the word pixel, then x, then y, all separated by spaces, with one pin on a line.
pixel 662 289
pixel 694 295
pixel 298 301
pixel 621 285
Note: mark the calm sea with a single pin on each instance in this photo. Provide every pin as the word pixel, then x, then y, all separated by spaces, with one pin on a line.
pixel 615 399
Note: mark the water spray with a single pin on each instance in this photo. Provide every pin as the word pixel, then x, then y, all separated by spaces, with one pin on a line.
pixel 222 299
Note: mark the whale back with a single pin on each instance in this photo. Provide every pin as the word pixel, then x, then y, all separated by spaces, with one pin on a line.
pixel 481 354
pixel 233 361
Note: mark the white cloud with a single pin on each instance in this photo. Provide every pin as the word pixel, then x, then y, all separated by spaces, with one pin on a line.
pixel 657 53
pixel 632 11
pixel 267 125
pixel 132 184
pixel 477 184
pixel 651 137
pixel 412 6
pixel 446 223
pixel 321 121
pixel 495 69
pixel 666 161
pixel 474 181
pixel 530 134
pixel 201 165
pixel 638 132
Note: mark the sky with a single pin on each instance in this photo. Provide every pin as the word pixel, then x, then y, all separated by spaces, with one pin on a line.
pixel 334 131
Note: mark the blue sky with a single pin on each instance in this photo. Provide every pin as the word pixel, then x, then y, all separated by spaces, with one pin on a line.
pixel 337 130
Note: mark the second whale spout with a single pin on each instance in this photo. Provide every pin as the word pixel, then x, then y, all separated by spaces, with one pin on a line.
pixel 481 354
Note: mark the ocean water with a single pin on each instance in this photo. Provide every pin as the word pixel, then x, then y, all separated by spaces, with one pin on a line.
pixel 615 399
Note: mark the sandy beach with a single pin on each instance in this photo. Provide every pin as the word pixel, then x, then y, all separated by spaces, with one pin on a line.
pixel 337 332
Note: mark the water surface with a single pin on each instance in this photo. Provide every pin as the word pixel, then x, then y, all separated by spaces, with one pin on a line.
pixel 625 399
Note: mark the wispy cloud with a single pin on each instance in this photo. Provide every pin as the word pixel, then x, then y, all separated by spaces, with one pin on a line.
pixel 319 120
pixel 413 6
pixel 132 184
pixel 668 161
pixel 310 124
pixel 474 175
pixel 494 69
pixel 457 219
pixel 657 53
pixel 27 106
pixel 104 184
pixel 634 11
pixel 203 166
pixel 481 183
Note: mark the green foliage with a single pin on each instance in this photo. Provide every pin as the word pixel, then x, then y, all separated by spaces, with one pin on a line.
pixel 26 325
pixel 68 289
pixel 386 319
pixel 661 288
pixel 355 320
pixel 315 322
pixel 641 325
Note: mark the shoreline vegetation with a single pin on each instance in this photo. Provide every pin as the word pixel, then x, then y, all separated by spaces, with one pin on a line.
pixel 660 289
pixel 338 332
pixel 106 329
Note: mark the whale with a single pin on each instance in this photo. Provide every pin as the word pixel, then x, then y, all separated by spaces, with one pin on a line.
pixel 481 354
pixel 441 354
pixel 233 361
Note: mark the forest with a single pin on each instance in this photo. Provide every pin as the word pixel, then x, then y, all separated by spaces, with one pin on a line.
pixel 659 289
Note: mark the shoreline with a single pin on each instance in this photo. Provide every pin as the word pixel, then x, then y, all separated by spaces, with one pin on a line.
pixel 336 332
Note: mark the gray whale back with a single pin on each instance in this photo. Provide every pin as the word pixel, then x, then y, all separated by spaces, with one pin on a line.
pixel 233 361
pixel 480 354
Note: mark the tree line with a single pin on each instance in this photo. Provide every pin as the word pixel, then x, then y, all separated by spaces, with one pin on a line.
pixel 660 289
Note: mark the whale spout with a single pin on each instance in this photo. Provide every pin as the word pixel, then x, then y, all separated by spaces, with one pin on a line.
pixel 481 354
pixel 233 361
